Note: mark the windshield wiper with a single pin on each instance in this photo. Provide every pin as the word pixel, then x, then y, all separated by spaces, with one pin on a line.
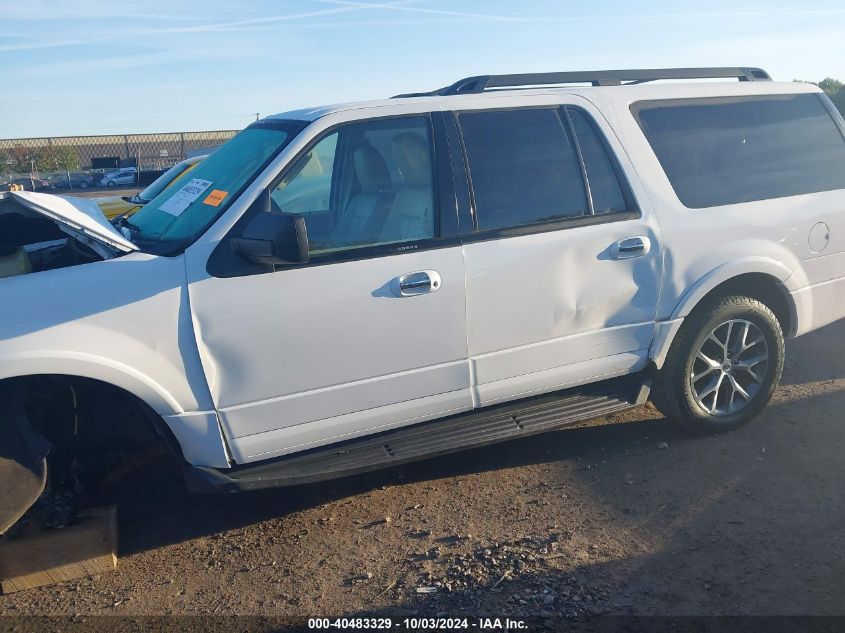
pixel 122 221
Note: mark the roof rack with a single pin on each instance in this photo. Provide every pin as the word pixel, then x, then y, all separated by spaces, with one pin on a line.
pixel 482 83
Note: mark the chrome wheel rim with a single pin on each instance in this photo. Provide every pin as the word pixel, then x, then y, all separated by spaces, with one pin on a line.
pixel 729 368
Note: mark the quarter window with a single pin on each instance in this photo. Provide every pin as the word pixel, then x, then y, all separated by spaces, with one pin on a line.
pixel 729 150
pixel 366 184
pixel 524 167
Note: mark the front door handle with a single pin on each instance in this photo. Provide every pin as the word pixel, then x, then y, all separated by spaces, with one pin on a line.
pixel 631 247
pixel 417 283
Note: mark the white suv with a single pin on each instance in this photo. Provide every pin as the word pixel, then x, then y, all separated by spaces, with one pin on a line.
pixel 349 287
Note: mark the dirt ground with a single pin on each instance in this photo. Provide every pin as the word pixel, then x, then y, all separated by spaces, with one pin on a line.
pixel 627 516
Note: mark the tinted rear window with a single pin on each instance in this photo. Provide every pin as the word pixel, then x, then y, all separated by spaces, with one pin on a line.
pixel 730 150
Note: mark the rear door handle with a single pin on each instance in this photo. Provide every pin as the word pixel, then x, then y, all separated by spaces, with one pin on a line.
pixel 631 247
pixel 417 283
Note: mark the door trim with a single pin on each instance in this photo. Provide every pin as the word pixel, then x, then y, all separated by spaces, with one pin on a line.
pixel 329 431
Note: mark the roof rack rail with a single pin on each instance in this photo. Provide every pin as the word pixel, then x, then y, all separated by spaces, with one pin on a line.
pixel 482 83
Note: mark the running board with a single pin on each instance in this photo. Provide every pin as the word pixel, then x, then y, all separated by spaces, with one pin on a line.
pixel 492 424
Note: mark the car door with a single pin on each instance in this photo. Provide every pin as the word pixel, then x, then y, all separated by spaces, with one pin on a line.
pixel 563 262
pixel 370 333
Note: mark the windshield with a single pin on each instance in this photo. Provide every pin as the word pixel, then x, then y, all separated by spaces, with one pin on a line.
pixel 180 214
pixel 160 183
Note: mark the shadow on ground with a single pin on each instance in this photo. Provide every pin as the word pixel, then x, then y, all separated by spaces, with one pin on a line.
pixel 630 516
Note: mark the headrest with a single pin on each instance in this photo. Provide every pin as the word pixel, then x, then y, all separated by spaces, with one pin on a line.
pixel 413 156
pixel 371 170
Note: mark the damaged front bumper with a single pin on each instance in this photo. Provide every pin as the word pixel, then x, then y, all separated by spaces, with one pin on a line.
pixel 23 459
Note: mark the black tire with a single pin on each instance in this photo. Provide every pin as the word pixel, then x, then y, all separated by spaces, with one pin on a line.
pixel 110 183
pixel 83 184
pixel 673 392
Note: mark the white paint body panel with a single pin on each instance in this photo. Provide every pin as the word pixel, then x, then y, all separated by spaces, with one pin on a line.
pixel 706 247
pixel 540 305
pixel 301 358
pixel 535 303
pixel 79 215
pixel 123 321
pixel 328 341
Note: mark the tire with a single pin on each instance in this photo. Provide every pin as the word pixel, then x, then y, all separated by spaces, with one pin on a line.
pixel 83 184
pixel 110 183
pixel 708 349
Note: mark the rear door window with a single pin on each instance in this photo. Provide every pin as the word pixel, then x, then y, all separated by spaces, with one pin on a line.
pixel 523 166
pixel 723 151
pixel 605 187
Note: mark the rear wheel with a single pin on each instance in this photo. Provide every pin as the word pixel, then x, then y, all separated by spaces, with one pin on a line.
pixel 722 367
pixel 110 183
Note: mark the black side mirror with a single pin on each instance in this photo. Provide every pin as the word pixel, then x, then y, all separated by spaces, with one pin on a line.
pixel 274 239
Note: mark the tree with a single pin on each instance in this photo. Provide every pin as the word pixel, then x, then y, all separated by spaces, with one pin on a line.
pixel 834 89
pixel 53 158
pixel 22 159
pixel 830 86
pixel 839 101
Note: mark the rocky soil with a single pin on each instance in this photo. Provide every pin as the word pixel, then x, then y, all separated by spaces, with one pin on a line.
pixel 628 515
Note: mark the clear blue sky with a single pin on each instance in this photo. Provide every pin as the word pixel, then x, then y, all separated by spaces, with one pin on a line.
pixel 92 66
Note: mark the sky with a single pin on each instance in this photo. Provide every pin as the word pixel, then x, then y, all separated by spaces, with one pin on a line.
pixel 131 66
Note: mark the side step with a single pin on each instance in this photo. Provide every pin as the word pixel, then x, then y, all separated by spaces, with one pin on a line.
pixel 428 439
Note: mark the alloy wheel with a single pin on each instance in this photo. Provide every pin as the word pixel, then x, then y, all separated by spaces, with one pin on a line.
pixel 729 367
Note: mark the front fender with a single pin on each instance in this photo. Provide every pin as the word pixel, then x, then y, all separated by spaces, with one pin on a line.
pixel 81 365
pixel 197 432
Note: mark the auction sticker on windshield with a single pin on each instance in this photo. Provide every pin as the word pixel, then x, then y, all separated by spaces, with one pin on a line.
pixel 215 197
pixel 182 199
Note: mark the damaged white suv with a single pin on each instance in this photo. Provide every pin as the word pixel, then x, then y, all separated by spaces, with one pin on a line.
pixel 349 287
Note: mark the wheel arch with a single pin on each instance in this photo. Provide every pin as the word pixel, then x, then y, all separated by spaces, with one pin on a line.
pixel 766 280
pixel 95 368
pixel 100 387
pixel 73 418
pixel 764 287
pixel 197 433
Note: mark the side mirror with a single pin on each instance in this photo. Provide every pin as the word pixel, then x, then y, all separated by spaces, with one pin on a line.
pixel 274 239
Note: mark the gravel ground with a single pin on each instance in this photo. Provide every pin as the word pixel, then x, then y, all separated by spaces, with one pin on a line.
pixel 628 515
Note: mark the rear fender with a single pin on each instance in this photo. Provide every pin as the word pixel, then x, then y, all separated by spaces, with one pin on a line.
pixel 789 279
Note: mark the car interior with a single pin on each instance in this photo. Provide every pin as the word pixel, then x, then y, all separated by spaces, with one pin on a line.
pixel 364 185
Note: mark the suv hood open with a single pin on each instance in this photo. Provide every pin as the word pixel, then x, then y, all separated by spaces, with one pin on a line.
pixel 80 217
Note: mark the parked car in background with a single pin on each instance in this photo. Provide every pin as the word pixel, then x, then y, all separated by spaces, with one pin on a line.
pixel 122 176
pixel 356 286
pixel 114 206
pixel 72 180
pixel 32 184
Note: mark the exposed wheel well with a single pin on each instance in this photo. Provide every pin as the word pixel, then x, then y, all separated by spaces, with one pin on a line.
pixel 98 436
pixel 97 407
pixel 765 288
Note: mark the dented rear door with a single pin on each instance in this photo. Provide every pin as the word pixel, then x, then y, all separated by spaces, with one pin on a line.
pixel 564 261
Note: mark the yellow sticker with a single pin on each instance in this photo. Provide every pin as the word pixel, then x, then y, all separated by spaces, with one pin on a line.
pixel 215 197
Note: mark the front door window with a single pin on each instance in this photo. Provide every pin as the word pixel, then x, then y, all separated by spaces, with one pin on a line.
pixel 365 184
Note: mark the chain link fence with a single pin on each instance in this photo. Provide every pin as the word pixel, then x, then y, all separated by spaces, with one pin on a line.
pixel 82 161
